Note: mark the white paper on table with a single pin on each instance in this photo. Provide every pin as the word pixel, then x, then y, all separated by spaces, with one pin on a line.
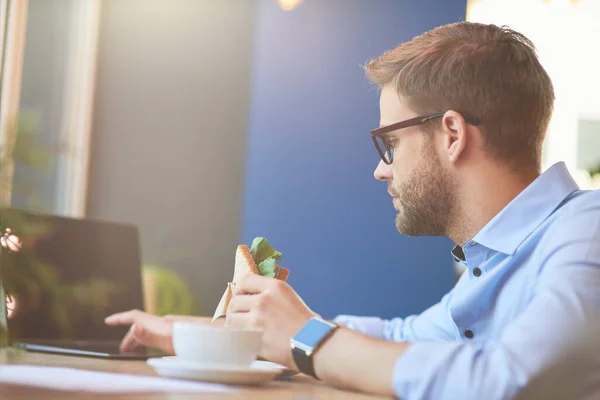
pixel 70 379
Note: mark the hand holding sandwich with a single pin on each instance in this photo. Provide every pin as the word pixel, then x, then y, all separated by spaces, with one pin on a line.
pixel 260 259
pixel 255 300
pixel 273 306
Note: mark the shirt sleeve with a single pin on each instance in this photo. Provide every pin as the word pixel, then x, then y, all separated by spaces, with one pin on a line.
pixel 551 350
pixel 432 324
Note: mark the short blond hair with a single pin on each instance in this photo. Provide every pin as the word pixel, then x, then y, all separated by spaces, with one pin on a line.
pixel 487 73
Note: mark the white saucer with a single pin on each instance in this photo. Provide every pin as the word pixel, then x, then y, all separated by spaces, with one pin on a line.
pixel 284 373
pixel 258 372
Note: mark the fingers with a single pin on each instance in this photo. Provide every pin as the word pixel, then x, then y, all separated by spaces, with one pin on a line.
pixel 129 344
pixel 243 320
pixel 146 330
pixel 241 303
pixel 157 337
pixel 252 283
pixel 244 311
pixel 126 318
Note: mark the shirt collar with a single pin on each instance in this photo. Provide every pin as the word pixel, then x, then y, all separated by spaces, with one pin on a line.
pixel 515 222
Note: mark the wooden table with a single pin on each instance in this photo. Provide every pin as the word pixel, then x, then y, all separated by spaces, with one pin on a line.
pixel 299 387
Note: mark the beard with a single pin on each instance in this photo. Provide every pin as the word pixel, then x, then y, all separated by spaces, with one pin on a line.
pixel 426 199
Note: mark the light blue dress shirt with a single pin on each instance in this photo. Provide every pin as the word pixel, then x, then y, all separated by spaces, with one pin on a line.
pixel 524 318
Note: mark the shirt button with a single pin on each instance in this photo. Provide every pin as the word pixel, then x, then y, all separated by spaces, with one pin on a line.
pixel 469 334
pixel 476 272
pixel 473 244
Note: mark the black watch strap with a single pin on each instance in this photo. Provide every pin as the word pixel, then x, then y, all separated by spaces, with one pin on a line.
pixel 308 341
pixel 303 362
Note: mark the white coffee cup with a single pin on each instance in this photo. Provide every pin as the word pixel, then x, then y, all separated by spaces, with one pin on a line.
pixel 212 345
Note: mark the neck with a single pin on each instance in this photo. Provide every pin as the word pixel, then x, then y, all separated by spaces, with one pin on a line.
pixel 485 192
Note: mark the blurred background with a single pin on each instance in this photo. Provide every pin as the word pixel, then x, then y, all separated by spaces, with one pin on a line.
pixel 207 123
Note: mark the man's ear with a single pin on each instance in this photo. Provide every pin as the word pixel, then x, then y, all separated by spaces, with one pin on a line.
pixel 455 135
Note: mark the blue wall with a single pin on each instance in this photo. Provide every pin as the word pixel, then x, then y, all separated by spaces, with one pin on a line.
pixel 309 184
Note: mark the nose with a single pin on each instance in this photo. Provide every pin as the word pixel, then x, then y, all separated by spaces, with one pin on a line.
pixel 383 172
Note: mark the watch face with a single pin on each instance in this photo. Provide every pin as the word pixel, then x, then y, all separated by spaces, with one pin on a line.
pixel 312 333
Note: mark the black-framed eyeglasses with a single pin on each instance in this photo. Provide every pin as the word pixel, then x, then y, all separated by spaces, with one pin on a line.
pixel 382 143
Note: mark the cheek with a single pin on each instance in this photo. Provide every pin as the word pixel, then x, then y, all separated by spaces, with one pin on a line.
pixel 405 161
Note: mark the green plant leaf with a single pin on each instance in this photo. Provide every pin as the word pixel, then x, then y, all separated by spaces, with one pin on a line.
pixel 172 294
pixel 595 170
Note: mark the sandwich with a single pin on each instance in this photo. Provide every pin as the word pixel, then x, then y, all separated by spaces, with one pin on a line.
pixel 260 259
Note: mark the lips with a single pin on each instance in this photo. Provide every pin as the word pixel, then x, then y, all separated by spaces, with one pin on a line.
pixel 395 201
pixel 394 198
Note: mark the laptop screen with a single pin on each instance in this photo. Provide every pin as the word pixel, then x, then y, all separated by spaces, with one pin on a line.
pixel 63 276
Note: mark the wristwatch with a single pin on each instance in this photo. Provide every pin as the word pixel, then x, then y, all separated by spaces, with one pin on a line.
pixel 304 344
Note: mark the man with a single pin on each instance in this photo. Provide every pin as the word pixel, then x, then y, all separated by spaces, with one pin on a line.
pixel 464 110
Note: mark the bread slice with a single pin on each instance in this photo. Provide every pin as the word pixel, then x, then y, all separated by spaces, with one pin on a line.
pixel 244 263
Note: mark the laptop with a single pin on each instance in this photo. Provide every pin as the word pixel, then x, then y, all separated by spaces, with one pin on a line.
pixel 63 276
